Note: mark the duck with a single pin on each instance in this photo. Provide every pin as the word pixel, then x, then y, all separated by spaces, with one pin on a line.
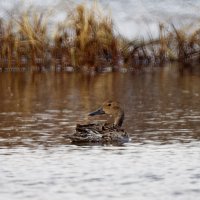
pixel 103 133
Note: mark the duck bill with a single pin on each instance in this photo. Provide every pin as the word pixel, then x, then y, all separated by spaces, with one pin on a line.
pixel 97 112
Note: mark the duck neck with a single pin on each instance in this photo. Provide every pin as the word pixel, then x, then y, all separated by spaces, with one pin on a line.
pixel 118 121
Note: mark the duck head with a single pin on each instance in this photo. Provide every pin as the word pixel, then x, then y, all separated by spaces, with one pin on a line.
pixel 111 108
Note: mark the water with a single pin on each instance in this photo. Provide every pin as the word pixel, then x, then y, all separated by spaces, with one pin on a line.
pixel 69 172
pixel 38 109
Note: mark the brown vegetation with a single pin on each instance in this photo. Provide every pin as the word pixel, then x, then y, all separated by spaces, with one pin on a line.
pixel 86 40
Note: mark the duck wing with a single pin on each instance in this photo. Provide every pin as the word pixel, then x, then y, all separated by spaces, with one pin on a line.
pixel 113 134
pixel 88 133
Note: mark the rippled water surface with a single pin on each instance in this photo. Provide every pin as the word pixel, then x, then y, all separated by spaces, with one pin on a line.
pixel 38 111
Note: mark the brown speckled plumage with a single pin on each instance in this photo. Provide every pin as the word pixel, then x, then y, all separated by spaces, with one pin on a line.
pixel 103 133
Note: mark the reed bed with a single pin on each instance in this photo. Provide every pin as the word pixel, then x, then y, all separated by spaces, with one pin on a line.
pixel 87 40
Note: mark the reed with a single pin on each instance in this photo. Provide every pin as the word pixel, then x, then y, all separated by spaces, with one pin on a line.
pixel 8 43
pixel 87 39
pixel 32 38
pixel 94 42
pixel 173 44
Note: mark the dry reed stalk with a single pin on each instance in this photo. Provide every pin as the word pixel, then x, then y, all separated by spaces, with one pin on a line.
pixel 87 38
pixel 32 37
pixel 94 42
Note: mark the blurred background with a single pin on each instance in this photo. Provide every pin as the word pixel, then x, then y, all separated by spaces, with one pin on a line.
pixel 133 18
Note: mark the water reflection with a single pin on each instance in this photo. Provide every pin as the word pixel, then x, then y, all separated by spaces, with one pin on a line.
pixel 161 104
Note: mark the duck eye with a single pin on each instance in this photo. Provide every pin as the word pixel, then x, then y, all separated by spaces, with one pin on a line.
pixel 109 104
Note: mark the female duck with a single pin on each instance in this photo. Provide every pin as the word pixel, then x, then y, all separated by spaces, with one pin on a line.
pixel 103 133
